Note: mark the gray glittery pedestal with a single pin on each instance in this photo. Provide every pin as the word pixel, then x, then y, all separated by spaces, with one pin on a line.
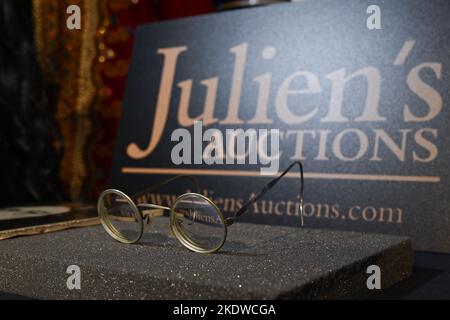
pixel 257 261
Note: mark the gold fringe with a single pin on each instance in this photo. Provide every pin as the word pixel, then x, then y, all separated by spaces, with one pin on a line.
pixel 86 94
pixel 38 29
pixel 88 56
pixel 75 54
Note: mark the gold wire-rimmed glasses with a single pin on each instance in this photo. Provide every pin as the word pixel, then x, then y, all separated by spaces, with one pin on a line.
pixel 195 220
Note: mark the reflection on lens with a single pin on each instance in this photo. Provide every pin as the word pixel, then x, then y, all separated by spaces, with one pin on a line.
pixel 120 217
pixel 198 222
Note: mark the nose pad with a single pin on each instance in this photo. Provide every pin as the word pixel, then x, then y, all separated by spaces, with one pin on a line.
pixel 147 222
pixel 170 234
pixel 191 221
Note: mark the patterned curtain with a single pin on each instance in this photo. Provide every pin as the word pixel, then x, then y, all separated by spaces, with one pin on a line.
pixel 86 72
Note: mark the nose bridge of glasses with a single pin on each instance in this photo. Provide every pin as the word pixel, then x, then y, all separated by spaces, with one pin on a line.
pixel 150 211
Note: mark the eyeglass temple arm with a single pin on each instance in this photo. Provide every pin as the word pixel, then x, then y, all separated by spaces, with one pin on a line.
pixel 162 183
pixel 269 186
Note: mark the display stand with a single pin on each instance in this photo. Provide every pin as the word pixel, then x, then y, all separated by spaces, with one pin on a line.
pixel 257 262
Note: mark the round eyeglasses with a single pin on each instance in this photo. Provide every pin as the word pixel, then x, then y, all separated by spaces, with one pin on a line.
pixel 194 219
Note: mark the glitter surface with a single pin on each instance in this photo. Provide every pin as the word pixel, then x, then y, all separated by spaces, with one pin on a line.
pixel 256 262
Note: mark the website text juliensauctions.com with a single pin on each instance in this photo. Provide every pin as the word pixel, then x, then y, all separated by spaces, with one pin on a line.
pixel 290 207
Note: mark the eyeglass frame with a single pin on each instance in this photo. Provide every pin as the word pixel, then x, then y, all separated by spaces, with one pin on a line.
pixel 141 216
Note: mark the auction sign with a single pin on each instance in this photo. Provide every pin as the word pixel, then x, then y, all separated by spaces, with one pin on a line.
pixel 358 91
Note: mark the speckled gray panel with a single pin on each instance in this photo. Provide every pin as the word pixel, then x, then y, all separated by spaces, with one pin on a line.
pixel 258 261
